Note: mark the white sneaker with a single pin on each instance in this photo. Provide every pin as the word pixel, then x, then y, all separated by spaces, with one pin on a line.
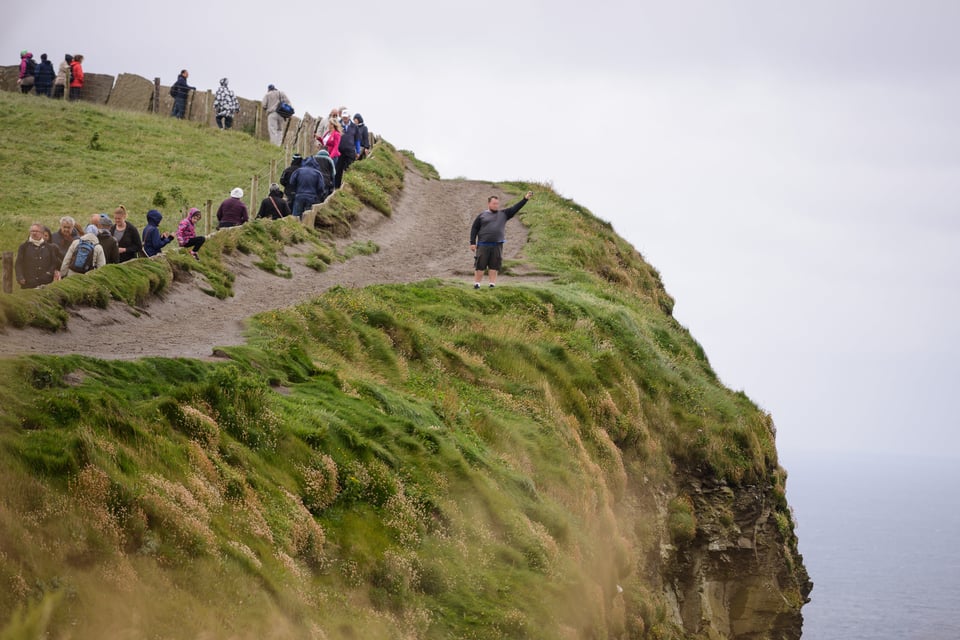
pixel 476 285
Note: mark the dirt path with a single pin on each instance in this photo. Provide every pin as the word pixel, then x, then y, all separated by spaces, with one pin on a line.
pixel 427 236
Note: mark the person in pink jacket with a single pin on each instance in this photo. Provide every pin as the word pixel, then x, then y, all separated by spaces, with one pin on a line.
pixel 331 139
pixel 187 232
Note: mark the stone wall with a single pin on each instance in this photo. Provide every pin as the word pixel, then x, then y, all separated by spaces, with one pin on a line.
pixel 131 92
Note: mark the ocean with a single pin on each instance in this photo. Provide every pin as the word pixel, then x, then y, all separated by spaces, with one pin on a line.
pixel 880 536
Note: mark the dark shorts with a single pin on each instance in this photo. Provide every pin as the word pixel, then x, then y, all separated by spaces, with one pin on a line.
pixel 489 256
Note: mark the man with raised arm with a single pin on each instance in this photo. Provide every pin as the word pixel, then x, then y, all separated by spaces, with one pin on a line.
pixel 487 236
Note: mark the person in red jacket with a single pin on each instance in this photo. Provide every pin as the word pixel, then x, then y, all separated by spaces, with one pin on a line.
pixel 76 77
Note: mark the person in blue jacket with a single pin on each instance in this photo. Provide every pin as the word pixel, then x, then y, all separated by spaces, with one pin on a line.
pixel 307 182
pixel 153 240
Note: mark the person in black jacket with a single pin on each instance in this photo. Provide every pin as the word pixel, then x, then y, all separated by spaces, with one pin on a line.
pixel 129 244
pixel 347 148
pixel 274 206
pixel 37 261
pixel 180 91
pixel 295 163
pixel 44 76
pixel 363 137
pixel 111 250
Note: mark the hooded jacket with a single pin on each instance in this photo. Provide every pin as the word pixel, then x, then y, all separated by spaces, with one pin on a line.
pixel 76 74
pixel 327 167
pixel 308 182
pixel 225 102
pixel 187 229
pixel 153 242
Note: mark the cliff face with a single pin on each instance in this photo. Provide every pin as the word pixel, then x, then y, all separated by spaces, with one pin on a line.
pixel 741 576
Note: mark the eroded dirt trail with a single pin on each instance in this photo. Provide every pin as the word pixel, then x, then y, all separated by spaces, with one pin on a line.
pixel 427 236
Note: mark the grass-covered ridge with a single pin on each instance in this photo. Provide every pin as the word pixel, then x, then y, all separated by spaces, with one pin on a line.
pixel 411 461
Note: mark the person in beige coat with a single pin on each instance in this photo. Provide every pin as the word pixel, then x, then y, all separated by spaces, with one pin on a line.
pixel 98 259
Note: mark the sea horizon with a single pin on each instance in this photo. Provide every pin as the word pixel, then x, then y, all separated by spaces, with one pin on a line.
pixel 878 535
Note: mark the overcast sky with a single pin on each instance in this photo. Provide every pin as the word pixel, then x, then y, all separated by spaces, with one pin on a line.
pixel 790 169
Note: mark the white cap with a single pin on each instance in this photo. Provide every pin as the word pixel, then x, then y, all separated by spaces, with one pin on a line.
pixel 236 193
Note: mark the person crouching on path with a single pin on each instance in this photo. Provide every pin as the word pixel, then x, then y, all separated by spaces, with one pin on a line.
pixel 187 232
pixel 37 260
pixel 68 267
pixel 153 240
pixel 487 236
pixel 232 211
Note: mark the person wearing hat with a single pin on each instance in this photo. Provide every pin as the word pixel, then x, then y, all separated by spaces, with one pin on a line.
pixel 295 163
pixel 63 76
pixel 271 102
pixel 226 105
pixel 89 235
pixel 274 206
pixel 180 91
pixel 28 68
pixel 187 232
pixel 111 250
pixel 232 211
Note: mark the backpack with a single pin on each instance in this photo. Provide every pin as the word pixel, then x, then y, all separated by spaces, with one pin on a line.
pixel 285 110
pixel 83 258
pixel 31 67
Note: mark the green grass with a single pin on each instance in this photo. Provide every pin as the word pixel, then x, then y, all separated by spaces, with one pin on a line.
pixel 387 462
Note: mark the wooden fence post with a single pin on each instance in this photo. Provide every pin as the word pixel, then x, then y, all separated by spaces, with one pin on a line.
pixel 8 271
pixel 156 95
pixel 254 184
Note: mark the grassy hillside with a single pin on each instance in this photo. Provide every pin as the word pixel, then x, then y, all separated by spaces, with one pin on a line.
pixel 96 158
pixel 393 462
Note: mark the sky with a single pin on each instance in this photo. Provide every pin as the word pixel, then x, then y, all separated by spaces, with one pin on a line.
pixel 791 169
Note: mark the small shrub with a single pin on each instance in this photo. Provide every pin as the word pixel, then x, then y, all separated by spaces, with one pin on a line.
pixel 320 484
pixel 681 520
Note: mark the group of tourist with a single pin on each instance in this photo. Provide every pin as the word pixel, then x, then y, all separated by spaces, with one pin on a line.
pixel 40 77
pixel 49 256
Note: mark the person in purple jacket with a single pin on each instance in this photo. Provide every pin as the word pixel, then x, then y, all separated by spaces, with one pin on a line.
pixel 232 211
